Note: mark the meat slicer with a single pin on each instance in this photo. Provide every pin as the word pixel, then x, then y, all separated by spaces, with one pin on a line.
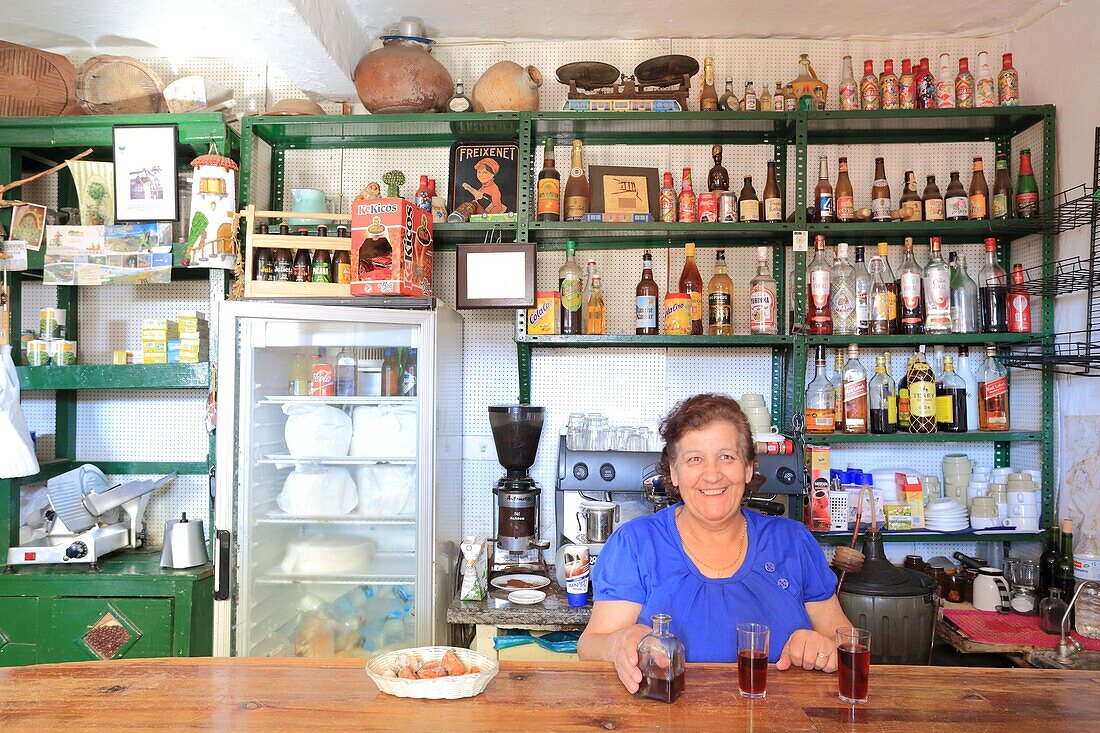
pixel 88 518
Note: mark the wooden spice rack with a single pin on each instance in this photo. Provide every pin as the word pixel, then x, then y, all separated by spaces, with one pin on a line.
pixel 268 289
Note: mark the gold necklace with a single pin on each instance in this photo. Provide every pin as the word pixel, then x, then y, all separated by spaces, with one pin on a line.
pixel 725 568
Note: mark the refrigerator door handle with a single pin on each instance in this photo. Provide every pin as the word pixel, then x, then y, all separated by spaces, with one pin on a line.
pixel 221 565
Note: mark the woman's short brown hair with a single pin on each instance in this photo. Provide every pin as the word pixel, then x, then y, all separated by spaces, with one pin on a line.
pixel 696 413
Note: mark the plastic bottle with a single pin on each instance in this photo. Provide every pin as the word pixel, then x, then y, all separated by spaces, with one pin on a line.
pixel 1086 566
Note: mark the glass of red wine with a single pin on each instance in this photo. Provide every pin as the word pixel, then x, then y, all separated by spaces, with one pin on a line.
pixel 752 660
pixel 854 663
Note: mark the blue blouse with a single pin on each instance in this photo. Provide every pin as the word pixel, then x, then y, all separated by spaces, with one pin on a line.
pixel 784 568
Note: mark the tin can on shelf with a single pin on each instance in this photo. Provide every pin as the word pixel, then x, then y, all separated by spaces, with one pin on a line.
pixel 727 207
pixel 323 383
pixel 51 323
pixel 62 352
pixel 678 314
pixel 707 207
pixel 38 353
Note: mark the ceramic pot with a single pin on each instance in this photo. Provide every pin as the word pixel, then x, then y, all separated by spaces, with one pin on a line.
pixel 507 87
pixel 402 77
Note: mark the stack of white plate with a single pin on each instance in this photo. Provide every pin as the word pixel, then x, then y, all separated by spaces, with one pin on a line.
pixel 946 515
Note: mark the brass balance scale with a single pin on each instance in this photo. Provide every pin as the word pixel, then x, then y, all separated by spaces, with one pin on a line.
pixel 660 84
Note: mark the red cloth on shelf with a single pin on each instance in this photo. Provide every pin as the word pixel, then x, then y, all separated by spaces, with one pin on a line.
pixel 990 627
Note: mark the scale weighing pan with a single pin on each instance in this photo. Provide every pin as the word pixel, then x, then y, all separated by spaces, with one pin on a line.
pixel 588 75
pixel 665 71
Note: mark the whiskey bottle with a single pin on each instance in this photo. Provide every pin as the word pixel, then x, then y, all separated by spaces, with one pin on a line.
pixel 855 394
pixel 992 393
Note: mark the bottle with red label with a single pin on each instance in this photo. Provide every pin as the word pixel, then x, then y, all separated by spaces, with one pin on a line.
pixel 937 292
pixel 668 199
pixel 868 87
pixel 1027 191
pixel 1019 303
pixel 992 393
pixel 323 383
pixel 819 319
pixel 854 391
pixel 926 86
pixel 889 92
pixel 909 290
pixel 907 86
pixel 762 318
pixel 688 213
pixel 964 85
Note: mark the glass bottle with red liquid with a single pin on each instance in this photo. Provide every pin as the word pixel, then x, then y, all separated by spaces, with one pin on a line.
pixel 819 317
pixel 853 648
pixel 661 658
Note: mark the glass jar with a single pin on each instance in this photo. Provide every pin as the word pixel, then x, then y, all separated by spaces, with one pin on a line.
pixel 1051 611
pixel 914 562
pixel 661 658
pixel 952 588
pixel 966 580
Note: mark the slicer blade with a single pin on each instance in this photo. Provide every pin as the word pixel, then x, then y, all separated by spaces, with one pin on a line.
pixel 66 494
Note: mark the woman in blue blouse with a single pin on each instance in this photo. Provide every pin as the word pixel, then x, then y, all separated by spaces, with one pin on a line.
pixel 709 564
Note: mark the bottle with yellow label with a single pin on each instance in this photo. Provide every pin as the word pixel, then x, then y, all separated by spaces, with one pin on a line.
pixel 691 282
pixel 950 400
pixel 570 289
pixel 922 397
pixel 548 192
pixel 883 400
pixel 576 188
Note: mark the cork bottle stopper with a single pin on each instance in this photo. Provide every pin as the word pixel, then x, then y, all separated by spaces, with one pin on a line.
pixel 1067 526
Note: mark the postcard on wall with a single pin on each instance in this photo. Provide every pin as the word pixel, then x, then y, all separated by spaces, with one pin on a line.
pixel 27 221
pixel 108 255
pixel 13 256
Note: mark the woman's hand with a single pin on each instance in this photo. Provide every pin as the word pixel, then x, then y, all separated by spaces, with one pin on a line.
pixel 626 656
pixel 807 649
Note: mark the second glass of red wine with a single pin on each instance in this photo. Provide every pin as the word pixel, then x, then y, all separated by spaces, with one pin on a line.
pixel 854 663
pixel 752 660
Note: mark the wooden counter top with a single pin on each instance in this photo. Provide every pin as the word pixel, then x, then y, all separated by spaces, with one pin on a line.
pixel 293 694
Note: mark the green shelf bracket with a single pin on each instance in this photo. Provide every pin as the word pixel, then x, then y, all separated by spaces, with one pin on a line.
pixel 523 357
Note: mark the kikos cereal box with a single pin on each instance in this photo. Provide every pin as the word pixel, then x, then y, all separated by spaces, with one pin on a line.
pixel 391 248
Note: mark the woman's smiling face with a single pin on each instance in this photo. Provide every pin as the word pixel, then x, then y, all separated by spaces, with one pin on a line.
pixel 710 472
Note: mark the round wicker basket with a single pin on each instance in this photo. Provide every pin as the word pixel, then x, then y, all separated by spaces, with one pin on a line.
pixel 114 85
pixel 440 688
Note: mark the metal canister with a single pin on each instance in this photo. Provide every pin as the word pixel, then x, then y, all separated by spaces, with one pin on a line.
pixel 38 353
pixel 707 207
pixel 62 352
pixel 727 206
pixel 678 314
pixel 463 212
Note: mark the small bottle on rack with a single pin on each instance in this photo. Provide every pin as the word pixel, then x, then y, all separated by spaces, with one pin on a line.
pixel 667 199
pixel 321 267
pixel 842 294
pixel 966 373
pixel 862 283
pixel 820 407
pixel 691 282
pixel 1008 83
pixel 993 291
pixel 855 394
pixel 964 298
pixel 595 312
pixel 911 207
pixel 882 400
pixel 728 101
pixel 979 191
pixel 459 102
pixel 932 201
pixel 303 266
pixel 950 400
pixel 881 202
pixel 1051 612
pixel 903 395
pixel 985 89
pixel 748 101
pixel 880 322
pixel 661 658
pixel 645 300
pixel 907 86
pixel 1027 190
pixel 762 315
pixel 570 289
pixel 911 306
pixel 576 187
pixel 868 87
pixel 819 319
pixel 686 204
pixel 922 397
pixel 720 298
pixel 773 202
pixel 937 292
pixel 779 100
pixel 964 85
pixel 993 393
pixel 838 390
pixel 849 89
pixel 888 86
pixel 945 84
pixel 548 188
pixel 1018 306
pixel 823 193
pixel 341 266
pixel 844 198
pixel 718 179
pixel 926 86
pixel 708 96
pixel 748 202
pixel 956 202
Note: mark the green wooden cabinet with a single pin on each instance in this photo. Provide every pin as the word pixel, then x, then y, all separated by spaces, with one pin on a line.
pixel 18 631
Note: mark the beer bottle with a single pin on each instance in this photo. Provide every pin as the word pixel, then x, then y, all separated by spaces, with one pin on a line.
pixel 748 202
pixel 302 266
pixel 691 282
pixel 773 204
pixel 823 193
pixel 645 300
pixel 284 265
pixel 341 266
pixel 1004 203
pixel 932 201
pixel 576 188
pixel 321 270
pixel 548 196
pixel 910 199
pixel 1027 192
pixel 845 199
pixel 720 298
pixel 264 266
pixel 956 203
pixel 979 191
pixel 881 202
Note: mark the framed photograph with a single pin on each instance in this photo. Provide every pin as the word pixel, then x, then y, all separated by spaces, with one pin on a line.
pixel 486 174
pixel 619 189
pixel 145 173
pixel 500 275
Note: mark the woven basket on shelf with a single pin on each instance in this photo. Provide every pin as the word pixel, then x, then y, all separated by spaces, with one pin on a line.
pixel 119 85
pixel 440 688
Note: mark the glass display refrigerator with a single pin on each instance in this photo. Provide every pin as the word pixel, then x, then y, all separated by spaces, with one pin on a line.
pixel 338 484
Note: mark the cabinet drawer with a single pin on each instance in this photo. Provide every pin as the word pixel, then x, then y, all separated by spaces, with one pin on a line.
pixel 18 631
pixel 108 628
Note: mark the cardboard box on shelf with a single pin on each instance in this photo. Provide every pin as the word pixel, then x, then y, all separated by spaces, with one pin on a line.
pixel 391 248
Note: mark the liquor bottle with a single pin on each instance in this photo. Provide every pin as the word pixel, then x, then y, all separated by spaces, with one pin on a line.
pixel 720 298
pixel 849 89
pixel 891 286
pixel 346 376
pixel 1052 611
pixel 820 398
pixel 956 202
pixel 548 194
pixel 843 198
pixel 903 395
pixel 911 206
pixel 985 89
pixel 719 178
pixel 881 202
pixel 880 321
pixel 728 101
pixel 993 393
pixel 708 96
pixel 764 103
pixel 862 282
pixel 926 86
pixel 459 102
pixel 748 203
pixel 964 299
pixel 341 266
pixel 868 87
pixel 391 373
pixel 773 203
pixel 979 191
pixel 321 267
pixel 922 397
pixel 302 266
pixel 762 302
pixel 950 400
pixel 661 658
pixel 819 317
pixel 842 294
pixel 595 314
pixel 691 282
pixel 1008 84
pixel 909 290
pixel 882 400
pixel 823 193
pixel 779 100
pixel 1018 306
pixel 590 272
pixel 422 199
pixel 945 84
pixel 855 394
pixel 1027 192
pixel 570 289
pixel 965 372
pixel 576 188
pixel 645 300
pixel 686 202
pixel 1003 201
pixel 299 376
pixel 907 87
pixel 668 199
pixel 993 291
pixel 888 86
pixel 748 101
pixel 1048 561
pixel 838 390
pixel 1063 572
pixel 790 104
pixel 932 201
pixel 937 292
pixel 964 85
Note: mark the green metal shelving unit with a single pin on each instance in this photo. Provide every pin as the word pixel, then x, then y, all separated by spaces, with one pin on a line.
pixel 170 613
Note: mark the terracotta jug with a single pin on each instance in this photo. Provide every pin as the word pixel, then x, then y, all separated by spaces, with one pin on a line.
pixel 507 87
pixel 402 77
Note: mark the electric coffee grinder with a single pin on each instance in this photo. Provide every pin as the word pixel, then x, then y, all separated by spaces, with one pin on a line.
pixel 516 432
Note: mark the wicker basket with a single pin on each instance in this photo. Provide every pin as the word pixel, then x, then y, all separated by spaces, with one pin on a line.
pixel 119 85
pixel 440 688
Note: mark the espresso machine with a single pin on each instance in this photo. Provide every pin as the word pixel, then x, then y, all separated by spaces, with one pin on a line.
pixel 516 522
